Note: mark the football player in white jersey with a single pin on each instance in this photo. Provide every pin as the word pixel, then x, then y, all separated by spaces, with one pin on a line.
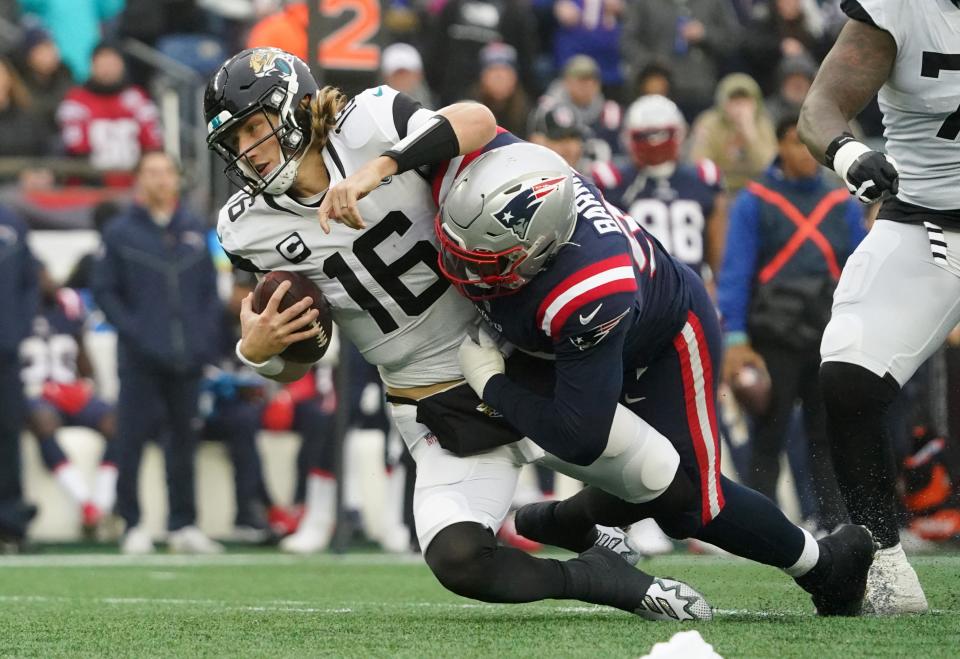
pixel 899 294
pixel 305 156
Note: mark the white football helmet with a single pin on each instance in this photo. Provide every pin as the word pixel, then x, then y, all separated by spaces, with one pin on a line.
pixel 653 131
pixel 507 213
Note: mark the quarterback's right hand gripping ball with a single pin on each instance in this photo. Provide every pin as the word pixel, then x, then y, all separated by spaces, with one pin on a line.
pixel 306 351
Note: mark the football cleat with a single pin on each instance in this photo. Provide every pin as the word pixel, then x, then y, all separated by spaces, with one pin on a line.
pixel 649 539
pixel 191 540
pixel 615 539
pixel 137 541
pixel 668 599
pixel 892 585
pixel 91 516
pixel 850 549
pixel 309 539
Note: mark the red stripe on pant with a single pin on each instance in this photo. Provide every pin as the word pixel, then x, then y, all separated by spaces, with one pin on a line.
pixel 691 373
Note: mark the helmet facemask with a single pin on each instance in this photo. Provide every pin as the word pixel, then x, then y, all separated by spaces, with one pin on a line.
pixel 288 134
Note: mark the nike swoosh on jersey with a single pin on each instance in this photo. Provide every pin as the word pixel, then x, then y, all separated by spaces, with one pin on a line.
pixel 630 400
pixel 586 319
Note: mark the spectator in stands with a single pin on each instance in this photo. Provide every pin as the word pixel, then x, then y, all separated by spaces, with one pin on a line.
pixel 21 130
pixel 580 87
pixel 45 75
pixel 156 284
pixel 402 68
pixel 654 78
pixel 736 133
pixel 591 27
pixel 462 28
pixel 19 290
pixel 781 32
pixel 795 75
pixel 498 88
pixel 559 127
pixel 57 376
pixel 696 36
pixel 285 29
pixel 108 120
pixel 76 27
pixel 775 293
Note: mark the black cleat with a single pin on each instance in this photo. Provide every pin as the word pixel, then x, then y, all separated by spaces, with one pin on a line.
pixel 840 592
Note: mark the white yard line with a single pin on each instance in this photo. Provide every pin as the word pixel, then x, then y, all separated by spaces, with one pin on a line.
pixel 221 560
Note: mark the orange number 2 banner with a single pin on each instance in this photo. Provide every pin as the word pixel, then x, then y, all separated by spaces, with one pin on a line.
pixel 347 47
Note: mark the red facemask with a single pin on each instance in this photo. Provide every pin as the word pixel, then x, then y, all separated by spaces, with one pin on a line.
pixel 651 147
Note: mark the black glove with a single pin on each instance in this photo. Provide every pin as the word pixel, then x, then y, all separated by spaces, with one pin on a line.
pixel 870 175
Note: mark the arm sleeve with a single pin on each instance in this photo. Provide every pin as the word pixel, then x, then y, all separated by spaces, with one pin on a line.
pixel 739 263
pixel 575 423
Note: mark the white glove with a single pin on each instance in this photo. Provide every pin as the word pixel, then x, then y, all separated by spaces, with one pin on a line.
pixel 480 361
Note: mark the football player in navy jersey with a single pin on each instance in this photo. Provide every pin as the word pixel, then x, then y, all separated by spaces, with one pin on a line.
pixel 558 272
pixel 55 370
pixel 378 163
pixel 682 205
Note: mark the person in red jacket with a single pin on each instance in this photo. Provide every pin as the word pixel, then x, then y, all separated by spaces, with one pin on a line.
pixel 108 120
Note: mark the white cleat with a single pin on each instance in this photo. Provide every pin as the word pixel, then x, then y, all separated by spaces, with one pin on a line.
pixel 191 540
pixel 892 585
pixel 670 600
pixel 647 537
pixel 308 540
pixel 616 540
pixel 137 541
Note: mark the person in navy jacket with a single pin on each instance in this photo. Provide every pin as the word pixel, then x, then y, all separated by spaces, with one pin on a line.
pixel 789 235
pixel 156 284
pixel 19 290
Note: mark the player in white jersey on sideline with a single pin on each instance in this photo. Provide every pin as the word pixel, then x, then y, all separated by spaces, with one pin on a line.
pixel 899 294
pixel 292 146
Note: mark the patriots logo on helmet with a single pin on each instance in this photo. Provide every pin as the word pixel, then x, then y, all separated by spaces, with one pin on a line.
pixel 519 211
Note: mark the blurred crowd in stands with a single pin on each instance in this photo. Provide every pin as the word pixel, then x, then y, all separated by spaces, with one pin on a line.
pixel 679 109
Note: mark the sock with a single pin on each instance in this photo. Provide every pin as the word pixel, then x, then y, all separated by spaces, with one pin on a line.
pixel 393 506
pixel 809 557
pixel 466 559
pixel 857 401
pixel 53 456
pixel 71 480
pixel 571 530
pixel 352 495
pixel 320 500
pixel 750 525
pixel 105 487
pixel 596 578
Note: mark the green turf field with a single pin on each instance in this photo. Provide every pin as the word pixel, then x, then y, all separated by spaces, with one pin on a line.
pixel 370 605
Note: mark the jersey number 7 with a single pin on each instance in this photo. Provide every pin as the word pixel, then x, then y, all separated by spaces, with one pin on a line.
pixel 932 65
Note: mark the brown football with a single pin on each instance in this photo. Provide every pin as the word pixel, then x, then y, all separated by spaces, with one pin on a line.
pixel 309 350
